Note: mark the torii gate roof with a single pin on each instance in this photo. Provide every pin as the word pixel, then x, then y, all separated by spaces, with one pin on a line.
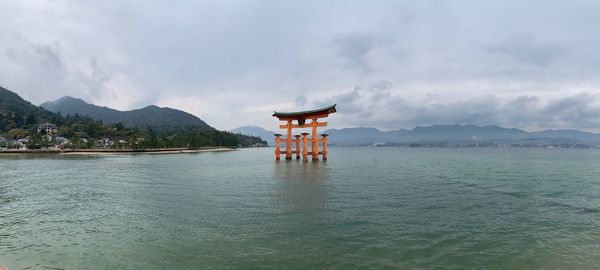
pixel 323 112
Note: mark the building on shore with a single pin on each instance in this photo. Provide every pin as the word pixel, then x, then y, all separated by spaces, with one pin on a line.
pixel 104 143
pixel 17 144
pixel 61 142
pixel 48 128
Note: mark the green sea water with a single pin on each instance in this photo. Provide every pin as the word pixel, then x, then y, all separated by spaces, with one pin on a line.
pixel 364 208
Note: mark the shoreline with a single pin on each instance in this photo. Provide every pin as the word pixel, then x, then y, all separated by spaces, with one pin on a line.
pixel 117 151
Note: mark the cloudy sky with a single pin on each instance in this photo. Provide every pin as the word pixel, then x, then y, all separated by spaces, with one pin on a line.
pixel 387 64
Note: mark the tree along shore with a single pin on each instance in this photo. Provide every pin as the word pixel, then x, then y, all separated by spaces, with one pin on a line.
pixel 115 151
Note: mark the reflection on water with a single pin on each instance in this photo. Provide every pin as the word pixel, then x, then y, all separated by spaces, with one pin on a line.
pixel 300 185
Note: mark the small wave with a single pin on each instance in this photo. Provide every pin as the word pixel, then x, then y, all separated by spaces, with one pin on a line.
pixel 582 209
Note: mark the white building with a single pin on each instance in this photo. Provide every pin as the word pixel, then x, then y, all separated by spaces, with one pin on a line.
pixel 48 128
pixel 104 143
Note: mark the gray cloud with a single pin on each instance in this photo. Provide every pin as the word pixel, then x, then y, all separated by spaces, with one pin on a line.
pixel 512 63
pixel 381 86
pixel 389 111
pixel 97 80
pixel 41 64
pixel 527 49
pixel 47 55
pixel 300 100
pixel 578 111
pixel 355 47
pixel 350 101
pixel 50 54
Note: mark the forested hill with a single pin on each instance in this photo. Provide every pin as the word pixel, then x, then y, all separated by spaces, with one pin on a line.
pixel 151 116
pixel 19 119
pixel 15 112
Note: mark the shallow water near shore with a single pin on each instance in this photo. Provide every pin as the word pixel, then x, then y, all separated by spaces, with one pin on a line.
pixel 364 208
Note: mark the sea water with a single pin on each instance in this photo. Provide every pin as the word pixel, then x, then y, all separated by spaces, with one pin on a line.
pixel 364 208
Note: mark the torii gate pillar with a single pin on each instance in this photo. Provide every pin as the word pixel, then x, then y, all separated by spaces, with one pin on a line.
pixel 300 118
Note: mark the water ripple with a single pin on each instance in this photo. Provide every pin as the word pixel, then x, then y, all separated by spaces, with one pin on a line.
pixel 400 209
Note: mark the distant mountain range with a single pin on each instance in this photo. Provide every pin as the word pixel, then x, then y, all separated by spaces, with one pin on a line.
pixel 150 116
pixel 453 134
pixel 438 133
pixel 17 112
pixel 256 131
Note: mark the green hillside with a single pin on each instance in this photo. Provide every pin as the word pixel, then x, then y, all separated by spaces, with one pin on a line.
pixel 151 116
pixel 16 112
pixel 19 119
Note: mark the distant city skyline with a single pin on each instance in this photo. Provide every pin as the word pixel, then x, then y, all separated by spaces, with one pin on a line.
pixel 387 64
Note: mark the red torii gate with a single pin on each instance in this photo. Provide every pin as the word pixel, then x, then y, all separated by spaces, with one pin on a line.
pixel 301 117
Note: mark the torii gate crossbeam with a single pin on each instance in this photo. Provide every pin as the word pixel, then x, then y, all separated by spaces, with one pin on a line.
pixel 300 118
